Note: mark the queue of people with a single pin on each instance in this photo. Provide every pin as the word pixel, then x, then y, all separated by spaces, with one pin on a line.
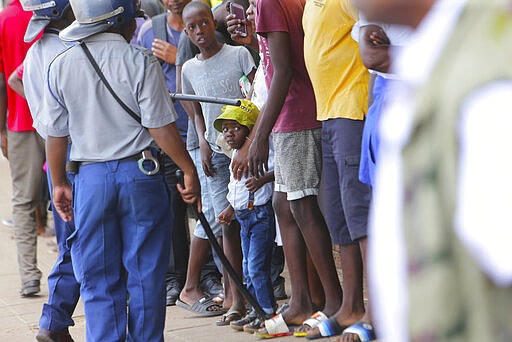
pixel 347 131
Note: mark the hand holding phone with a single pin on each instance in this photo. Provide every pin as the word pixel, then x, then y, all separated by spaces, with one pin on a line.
pixel 239 12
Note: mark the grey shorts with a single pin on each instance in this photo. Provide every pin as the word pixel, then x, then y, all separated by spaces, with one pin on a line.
pixel 298 163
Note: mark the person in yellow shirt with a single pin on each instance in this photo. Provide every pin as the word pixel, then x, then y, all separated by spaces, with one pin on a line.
pixel 340 82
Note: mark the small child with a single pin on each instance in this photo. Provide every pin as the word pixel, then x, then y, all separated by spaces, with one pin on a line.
pixel 251 203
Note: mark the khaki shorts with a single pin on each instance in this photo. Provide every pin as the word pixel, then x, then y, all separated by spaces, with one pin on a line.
pixel 298 163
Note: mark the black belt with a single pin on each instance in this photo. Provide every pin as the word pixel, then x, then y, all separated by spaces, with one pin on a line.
pixel 73 165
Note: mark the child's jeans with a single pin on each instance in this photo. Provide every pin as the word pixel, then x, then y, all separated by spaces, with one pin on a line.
pixel 258 232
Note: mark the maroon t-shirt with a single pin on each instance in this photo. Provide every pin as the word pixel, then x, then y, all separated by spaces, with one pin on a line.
pixel 299 109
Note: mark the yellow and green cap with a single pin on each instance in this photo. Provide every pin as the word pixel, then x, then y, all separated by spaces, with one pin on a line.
pixel 245 114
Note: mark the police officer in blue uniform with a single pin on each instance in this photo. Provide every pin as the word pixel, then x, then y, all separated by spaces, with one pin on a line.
pixel 63 289
pixel 110 98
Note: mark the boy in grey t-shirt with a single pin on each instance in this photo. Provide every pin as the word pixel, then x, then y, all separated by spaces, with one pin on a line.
pixel 215 71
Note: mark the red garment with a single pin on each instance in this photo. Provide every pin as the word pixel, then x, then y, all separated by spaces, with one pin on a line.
pixel 20 70
pixel 299 110
pixel 13 24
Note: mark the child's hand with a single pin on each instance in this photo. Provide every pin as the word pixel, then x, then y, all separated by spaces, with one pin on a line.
pixel 253 184
pixel 227 215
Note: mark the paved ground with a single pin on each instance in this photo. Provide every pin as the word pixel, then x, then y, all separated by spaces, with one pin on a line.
pixel 19 316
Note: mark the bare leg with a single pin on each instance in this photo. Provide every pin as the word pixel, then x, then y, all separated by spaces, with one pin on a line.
pixel 367 318
pixel 199 249
pixel 315 285
pixel 294 249
pixel 316 236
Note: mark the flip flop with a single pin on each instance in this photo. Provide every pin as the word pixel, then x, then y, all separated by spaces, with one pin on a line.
pixel 229 317
pixel 327 328
pixel 202 307
pixel 312 322
pixel 363 330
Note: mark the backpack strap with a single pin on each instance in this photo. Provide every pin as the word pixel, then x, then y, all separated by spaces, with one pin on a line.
pixel 159 23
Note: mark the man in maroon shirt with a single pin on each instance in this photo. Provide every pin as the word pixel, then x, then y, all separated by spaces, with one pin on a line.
pixel 21 145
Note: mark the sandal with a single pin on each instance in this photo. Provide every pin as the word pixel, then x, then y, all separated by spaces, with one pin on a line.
pixel 228 317
pixel 274 327
pixel 363 330
pixel 327 328
pixel 312 322
pixel 204 307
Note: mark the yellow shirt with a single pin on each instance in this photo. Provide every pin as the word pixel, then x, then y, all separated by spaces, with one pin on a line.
pixel 215 3
pixel 339 78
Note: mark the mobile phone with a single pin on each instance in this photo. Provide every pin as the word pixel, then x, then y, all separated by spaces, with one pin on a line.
pixel 239 12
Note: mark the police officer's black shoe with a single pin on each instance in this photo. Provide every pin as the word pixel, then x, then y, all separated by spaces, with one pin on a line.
pixel 51 336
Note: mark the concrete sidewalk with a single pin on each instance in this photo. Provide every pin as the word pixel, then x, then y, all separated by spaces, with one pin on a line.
pixel 19 316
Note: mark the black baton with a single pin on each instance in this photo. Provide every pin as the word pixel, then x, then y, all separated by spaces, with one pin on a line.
pixel 224 261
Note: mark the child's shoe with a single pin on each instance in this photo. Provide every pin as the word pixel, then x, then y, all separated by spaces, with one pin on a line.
pixel 239 325
pixel 254 326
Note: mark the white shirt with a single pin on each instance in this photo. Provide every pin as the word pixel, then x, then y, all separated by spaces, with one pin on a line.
pixel 238 194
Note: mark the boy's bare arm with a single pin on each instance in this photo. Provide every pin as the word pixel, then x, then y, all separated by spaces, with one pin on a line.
pixel 16 83
pixel 204 146
pixel 187 105
pixel 279 46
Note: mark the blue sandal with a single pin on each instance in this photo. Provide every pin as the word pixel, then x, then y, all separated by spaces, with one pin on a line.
pixel 363 330
pixel 327 328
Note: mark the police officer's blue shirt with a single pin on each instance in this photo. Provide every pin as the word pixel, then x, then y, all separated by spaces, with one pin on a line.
pixel 35 66
pixel 78 104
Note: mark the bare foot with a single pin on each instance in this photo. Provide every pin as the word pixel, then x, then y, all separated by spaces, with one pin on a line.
pixel 296 314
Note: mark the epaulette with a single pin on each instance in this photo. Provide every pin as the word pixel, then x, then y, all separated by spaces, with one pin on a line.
pixel 146 53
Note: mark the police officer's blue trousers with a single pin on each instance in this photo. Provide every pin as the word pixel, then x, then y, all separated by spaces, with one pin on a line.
pixel 121 246
pixel 63 289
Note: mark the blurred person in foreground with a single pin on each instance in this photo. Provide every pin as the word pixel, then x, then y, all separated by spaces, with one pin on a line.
pixel 442 185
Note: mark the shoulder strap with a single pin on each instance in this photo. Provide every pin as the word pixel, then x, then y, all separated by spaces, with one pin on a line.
pixel 159 23
pixel 100 74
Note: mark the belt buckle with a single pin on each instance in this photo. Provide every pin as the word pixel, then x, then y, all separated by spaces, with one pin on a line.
pixel 147 155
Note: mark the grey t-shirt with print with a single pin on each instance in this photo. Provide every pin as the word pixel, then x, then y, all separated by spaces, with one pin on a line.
pixel 187 50
pixel 216 76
